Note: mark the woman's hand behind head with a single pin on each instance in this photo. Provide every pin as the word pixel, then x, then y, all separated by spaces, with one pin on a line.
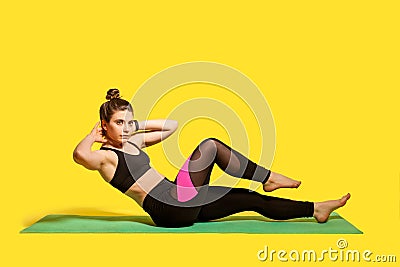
pixel 97 134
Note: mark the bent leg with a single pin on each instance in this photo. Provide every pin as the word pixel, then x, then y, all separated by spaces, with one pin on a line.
pixel 196 171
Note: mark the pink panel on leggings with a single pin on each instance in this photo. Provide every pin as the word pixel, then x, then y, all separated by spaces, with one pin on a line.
pixel 186 190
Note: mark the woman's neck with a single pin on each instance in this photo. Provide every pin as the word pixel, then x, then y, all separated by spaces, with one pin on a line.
pixel 116 144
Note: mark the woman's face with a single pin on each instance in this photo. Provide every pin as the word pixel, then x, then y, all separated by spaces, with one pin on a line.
pixel 120 127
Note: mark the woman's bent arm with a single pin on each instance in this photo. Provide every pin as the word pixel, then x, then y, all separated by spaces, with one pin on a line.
pixel 159 130
pixel 83 153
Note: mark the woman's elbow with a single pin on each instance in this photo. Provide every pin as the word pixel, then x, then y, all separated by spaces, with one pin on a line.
pixel 78 156
pixel 174 125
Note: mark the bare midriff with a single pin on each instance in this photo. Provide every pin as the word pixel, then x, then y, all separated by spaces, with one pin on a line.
pixel 143 185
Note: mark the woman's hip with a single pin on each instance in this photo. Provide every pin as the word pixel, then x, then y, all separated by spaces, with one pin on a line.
pixel 166 211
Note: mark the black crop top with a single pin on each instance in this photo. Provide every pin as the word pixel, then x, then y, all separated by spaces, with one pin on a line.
pixel 129 168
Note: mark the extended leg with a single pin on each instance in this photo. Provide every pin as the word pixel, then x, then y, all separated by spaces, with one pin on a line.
pixel 222 201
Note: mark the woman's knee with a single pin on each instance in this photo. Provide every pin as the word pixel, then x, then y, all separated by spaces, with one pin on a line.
pixel 211 140
pixel 209 144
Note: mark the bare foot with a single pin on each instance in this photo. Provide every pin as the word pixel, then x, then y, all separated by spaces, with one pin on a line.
pixel 322 210
pixel 277 180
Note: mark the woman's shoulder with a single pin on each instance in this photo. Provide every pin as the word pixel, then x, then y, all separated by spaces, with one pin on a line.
pixel 95 159
pixel 107 151
pixel 108 156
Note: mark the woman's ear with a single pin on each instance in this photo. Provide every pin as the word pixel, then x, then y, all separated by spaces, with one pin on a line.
pixel 104 127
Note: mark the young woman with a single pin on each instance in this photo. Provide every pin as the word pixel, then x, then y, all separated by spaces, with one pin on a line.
pixel 189 198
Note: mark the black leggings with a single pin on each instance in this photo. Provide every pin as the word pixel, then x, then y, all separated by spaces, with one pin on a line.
pixel 191 199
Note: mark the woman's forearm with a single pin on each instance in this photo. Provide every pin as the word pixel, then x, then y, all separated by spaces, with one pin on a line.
pixel 157 130
pixel 158 125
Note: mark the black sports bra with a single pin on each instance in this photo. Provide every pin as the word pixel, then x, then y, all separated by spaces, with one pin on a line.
pixel 129 168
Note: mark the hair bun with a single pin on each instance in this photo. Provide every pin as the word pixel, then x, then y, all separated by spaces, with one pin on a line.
pixel 112 93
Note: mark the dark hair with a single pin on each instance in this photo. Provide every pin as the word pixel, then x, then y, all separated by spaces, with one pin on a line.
pixel 114 103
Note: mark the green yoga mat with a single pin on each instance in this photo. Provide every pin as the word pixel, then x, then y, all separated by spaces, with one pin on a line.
pixel 231 224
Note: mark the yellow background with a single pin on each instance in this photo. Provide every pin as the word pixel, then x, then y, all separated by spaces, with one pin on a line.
pixel 330 73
